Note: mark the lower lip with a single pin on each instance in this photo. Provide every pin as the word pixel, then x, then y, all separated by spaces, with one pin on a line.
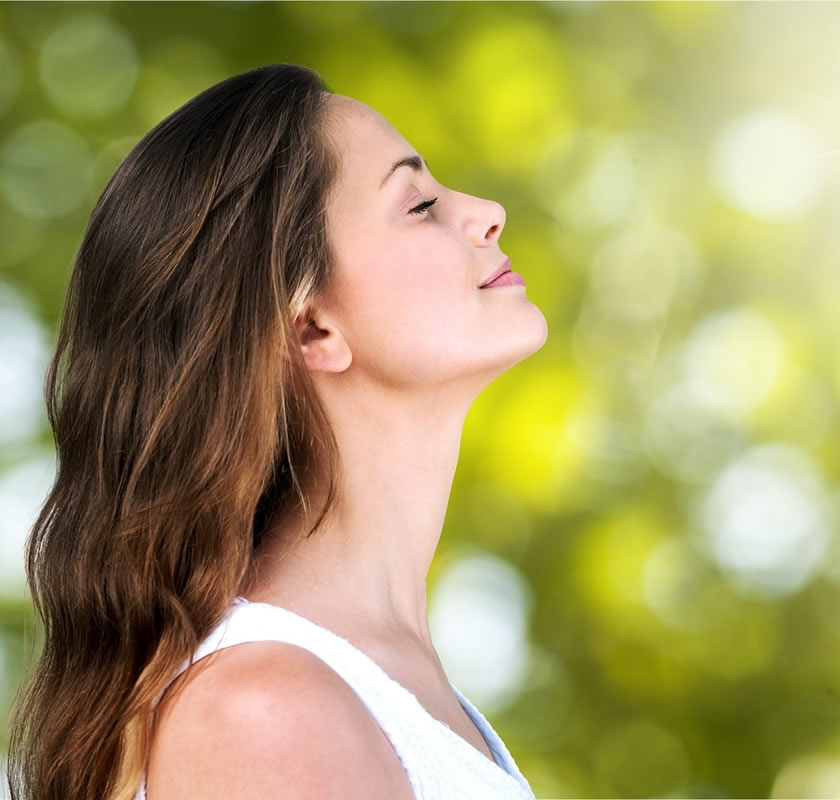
pixel 507 279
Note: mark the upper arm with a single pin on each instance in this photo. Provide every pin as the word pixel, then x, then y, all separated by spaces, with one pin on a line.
pixel 271 720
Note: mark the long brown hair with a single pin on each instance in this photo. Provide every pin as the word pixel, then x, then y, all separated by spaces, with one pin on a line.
pixel 184 417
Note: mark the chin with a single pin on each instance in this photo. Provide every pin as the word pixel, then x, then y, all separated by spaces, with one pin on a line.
pixel 528 343
pixel 540 329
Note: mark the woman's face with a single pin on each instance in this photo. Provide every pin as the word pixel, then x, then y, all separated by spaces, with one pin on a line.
pixel 405 294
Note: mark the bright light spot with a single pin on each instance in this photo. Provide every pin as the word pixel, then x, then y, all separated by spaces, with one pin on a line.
pixel 768 164
pixel 4 783
pixel 512 106
pixel 729 365
pixel 610 187
pixel 606 569
pixel 560 172
pixel 23 360
pixel 645 268
pixel 638 171
pixel 45 169
pixel 686 439
pixel 816 776
pixel 733 360
pixel 638 277
pixel 478 617
pixel 531 468
pixel 23 490
pixel 766 519
pixel 88 66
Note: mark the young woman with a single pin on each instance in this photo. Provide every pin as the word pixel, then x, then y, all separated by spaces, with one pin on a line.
pixel 274 329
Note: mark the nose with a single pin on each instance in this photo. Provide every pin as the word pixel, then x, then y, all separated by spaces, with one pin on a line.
pixel 485 221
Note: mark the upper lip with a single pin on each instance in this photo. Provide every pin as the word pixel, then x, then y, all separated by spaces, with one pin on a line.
pixel 500 270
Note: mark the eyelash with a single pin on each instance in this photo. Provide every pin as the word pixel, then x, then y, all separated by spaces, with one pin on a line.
pixel 423 207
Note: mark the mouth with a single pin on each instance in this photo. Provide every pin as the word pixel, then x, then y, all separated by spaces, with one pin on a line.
pixel 500 270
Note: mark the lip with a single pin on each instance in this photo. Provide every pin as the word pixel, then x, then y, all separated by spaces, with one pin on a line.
pixel 500 270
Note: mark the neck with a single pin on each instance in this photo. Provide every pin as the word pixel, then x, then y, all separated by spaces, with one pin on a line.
pixel 365 568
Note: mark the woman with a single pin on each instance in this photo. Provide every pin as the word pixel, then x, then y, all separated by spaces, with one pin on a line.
pixel 273 332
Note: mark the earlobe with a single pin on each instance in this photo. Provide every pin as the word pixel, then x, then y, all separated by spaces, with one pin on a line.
pixel 324 349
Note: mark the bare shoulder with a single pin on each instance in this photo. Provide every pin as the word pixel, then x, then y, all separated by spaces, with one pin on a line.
pixel 266 720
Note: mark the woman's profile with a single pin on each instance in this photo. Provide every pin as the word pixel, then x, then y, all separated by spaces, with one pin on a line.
pixel 274 328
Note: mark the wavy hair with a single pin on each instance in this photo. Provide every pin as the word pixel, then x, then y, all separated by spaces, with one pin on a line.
pixel 185 419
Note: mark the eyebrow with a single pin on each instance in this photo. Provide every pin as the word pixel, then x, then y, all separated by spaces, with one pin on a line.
pixel 414 161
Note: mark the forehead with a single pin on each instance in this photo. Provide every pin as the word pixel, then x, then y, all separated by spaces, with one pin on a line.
pixel 365 141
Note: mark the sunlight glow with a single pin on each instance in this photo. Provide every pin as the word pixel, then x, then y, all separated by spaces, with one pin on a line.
pixel 767 519
pixel 478 616
pixel 767 163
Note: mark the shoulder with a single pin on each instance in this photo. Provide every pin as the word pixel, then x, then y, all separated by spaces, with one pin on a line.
pixel 269 719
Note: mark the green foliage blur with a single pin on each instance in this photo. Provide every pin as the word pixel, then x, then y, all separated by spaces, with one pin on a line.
pixel 657 486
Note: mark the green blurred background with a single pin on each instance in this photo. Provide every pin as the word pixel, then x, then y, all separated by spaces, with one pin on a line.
pixel 642 540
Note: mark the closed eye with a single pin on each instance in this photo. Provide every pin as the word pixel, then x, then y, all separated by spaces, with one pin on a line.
pixel 423 206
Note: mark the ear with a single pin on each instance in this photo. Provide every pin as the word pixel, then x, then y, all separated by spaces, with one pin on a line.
pixel 324 348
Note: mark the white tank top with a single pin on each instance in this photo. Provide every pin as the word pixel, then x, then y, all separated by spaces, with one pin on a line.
pixel 441 765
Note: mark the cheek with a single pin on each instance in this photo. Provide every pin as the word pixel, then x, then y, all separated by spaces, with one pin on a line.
pixel 408 314
pixel 416 291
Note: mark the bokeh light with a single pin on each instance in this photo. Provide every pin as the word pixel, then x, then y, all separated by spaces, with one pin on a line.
pixel 88 66
pixel 643 535
pixel 812 775
pixel 732 361
pixel 23 490
pixel 767 163
pixel 638 278
pixel 478 615
pixel 23 360
pixel 44 169
pixel 767 519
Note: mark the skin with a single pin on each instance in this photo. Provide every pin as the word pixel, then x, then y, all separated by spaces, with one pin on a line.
pixel 398 347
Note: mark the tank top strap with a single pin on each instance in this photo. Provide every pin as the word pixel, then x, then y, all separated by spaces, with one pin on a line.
pixel 433 756
pixel 385 699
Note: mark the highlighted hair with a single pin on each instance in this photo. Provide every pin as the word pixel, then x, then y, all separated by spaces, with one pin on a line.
pixel 184 417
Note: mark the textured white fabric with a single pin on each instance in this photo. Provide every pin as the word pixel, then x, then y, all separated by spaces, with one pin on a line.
pixel 440 764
